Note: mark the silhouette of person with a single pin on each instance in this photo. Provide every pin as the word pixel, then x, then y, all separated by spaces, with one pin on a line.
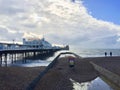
pixel 110 53
pixel 105 53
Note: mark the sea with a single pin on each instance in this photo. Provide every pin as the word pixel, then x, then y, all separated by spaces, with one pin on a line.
pixel 96 52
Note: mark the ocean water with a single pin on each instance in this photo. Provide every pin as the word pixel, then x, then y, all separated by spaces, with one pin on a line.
pixel 96 52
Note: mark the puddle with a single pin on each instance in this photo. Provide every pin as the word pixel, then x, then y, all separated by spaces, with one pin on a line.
pixel 96 84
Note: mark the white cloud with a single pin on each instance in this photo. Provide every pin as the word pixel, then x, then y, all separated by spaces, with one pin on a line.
pixel 62 22
pixel 8 34
pixel 29 35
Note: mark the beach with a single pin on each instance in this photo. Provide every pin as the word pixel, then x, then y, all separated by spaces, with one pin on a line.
pixel 18 78
pixel 110 63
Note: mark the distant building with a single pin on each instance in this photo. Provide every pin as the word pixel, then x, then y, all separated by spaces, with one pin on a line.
pixel 1 46
pixel 36 43
pixel 31 43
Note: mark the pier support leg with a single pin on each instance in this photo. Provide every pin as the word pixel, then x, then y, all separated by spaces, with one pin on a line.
pixel 25 56
pixel 5 60
pixel 15 57
pixel 12 58
pixel 34 54
pixel 0 60
pixel 22 57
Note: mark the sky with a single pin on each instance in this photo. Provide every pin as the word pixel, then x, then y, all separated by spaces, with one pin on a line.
pixel 79 23
pixel 107 10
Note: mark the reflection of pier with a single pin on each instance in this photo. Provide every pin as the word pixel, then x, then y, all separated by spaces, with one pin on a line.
pixel 14 55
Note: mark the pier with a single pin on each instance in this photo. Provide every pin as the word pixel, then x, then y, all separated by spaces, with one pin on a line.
pixel 30 47
pixel 14 55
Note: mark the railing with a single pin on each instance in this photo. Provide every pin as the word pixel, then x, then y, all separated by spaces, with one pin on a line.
pixel 32 85
pixel 28 48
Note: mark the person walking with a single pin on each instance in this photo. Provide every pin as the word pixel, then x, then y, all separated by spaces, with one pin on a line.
pixel 105 54
pixel 110 53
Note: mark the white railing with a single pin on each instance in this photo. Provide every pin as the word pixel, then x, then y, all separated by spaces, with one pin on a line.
pixel 26 48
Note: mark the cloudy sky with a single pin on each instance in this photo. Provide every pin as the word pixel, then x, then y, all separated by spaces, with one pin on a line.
pixel 79 23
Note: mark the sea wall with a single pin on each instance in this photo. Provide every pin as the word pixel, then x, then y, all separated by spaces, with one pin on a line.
pixel 108 74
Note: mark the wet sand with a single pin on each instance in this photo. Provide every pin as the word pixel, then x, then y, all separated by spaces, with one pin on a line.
pixel 17 78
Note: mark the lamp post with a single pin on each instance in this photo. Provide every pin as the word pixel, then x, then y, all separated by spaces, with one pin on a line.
pixel 13 41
